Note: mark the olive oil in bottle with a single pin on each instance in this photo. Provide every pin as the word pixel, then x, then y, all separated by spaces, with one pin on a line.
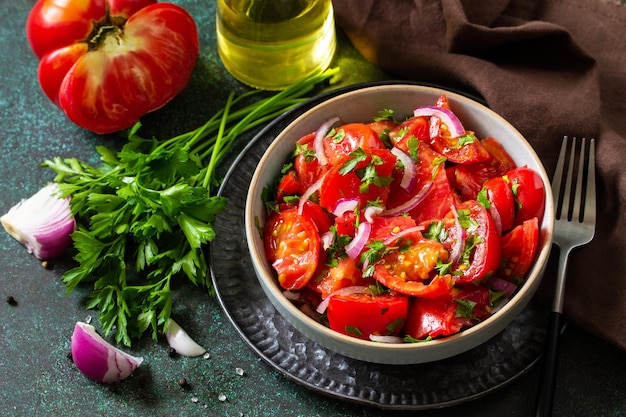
pixel 270 44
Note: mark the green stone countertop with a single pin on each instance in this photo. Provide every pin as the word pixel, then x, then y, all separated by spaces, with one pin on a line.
pixel 38 378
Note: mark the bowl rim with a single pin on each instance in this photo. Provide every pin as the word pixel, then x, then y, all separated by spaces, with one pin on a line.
pixel 473 335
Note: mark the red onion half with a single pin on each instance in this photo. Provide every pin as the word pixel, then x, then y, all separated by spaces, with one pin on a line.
pixel 43 223
pixel 98 359
pixel 457 234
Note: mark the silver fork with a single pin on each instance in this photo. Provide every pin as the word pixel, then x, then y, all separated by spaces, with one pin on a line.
pixel 575 224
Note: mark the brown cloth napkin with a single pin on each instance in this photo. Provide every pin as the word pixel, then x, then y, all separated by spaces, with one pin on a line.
pixel 552 68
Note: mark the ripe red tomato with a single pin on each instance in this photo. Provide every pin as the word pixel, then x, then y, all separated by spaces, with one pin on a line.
pixel 106 63
pixel 360 315
pixel 292 244
pixel 529 192
pixel 348 138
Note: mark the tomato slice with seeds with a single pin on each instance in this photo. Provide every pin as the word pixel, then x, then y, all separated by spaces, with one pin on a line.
pixel 362 315
pixel 292 244
pixel 345 273
pixel 410 270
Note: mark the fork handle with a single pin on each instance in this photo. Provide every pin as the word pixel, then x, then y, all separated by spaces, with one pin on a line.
pixel 547 382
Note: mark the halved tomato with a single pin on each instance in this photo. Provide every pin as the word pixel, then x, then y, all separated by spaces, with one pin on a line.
pixel 292 244
pixel 344 273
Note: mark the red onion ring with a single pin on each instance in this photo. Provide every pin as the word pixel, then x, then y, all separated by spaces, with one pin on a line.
pixel 372 211
pixel 455 127
pixel 457 233
pixel 327 240
pixel 318 141
pixel 354 289
pixel 356 245
pixel 385 339
pixel 345 205
pixel 501 284
pixel 309 192
pixel 409 176
pixel 411 203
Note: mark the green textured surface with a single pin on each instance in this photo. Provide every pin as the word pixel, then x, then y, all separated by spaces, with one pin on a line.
pixel 39 380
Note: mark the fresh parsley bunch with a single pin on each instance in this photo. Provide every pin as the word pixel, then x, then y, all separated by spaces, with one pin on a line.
pixel 145 214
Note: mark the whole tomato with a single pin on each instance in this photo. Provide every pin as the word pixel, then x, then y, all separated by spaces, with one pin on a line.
pixel 106 63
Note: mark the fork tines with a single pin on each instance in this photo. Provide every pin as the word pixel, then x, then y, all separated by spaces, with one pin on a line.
pixel 585 180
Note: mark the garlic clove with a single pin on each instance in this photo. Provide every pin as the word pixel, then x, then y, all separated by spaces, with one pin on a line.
pixel 43 223
pixel 180 341
pixel 98 359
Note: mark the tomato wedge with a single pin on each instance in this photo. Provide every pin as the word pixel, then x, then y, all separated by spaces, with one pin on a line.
pixel 481 249
pixel 367 179
pixel 529 192
pixel 519 248
pixel 292 244
pixel 305 163
pixel 345 273
pixel 447 314
pixel 430 167
pixel 362 315
pixel 348 138
pixel 501 202
pixel 468 179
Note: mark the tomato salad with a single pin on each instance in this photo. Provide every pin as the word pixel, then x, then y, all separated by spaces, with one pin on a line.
pixel 402 231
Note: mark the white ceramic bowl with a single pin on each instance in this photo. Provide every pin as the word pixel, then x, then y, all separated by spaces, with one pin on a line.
pixel 362 105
